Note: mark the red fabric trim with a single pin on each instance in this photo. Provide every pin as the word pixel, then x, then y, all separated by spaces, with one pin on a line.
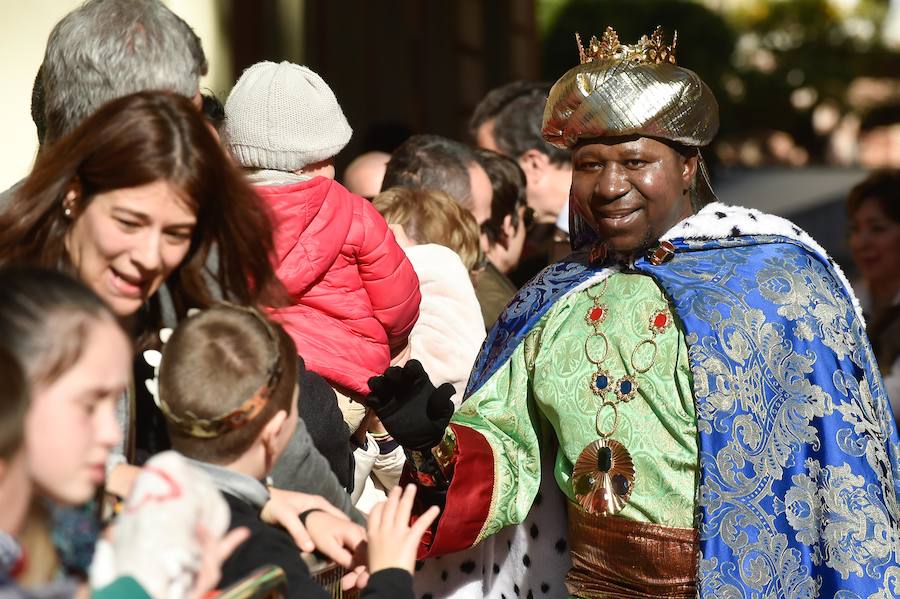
pixel 468 498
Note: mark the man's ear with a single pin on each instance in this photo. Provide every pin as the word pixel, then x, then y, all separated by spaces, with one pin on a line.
pixel 689 170
pixel 535 164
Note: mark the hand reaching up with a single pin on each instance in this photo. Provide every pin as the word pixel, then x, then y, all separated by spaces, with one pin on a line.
pixel 393 542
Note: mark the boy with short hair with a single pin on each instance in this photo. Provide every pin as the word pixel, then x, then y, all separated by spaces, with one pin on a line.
pixel 227 386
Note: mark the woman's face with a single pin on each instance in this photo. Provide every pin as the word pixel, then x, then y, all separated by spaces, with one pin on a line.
pixel 126 242
pixel 874 239
pixel 71 423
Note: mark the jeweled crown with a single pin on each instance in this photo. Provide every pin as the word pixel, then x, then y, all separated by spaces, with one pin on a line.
pixel 651 49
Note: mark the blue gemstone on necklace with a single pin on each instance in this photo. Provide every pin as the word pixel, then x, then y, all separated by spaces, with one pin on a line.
pixel 625 387
pixel 601 382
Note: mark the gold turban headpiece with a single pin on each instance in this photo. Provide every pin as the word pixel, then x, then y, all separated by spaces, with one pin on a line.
pixel 630 90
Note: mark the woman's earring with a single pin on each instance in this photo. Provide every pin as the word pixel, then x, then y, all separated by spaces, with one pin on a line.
pixel 67 211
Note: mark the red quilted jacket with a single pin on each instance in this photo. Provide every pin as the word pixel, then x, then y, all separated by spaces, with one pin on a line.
pixel 356 296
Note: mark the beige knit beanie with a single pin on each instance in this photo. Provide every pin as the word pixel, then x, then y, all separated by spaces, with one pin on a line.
pixel 283 117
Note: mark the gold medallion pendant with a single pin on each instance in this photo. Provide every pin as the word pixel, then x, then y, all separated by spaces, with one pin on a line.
pixel 603 477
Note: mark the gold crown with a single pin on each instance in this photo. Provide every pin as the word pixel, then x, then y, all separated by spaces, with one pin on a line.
pixel 651 49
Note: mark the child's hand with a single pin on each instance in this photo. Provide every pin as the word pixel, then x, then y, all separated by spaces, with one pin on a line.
pixel 337 538
pixel 285 507
pixel 393 543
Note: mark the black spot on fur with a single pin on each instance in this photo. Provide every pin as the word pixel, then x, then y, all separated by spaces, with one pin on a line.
pixel 467 566
pixel 502 596
pixel 534 531
pixel 720 215
pixel 427 596
pixel 752 216
pixel 496 568
pixel 526 561
pixel 516 589
pixel 561 546
pixel 735 232
pixel 530 595
pixel 545 587
pixel 509 544
pixel 796 230
pixel 444 575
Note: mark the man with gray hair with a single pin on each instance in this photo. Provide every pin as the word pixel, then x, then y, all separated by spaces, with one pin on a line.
pixel 106 49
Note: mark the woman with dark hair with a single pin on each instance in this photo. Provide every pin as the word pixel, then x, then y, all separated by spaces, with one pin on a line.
pixel 503 234
pixel 873 209
pixel 137 196
pixel 142 194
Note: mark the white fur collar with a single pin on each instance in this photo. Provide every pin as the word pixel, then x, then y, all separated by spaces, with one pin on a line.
pixel 717 221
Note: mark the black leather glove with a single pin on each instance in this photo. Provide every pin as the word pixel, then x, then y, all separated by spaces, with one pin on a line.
pixel 410 408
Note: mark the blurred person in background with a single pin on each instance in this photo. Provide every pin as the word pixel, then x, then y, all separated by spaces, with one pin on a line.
pixel 364 175
pixel 502 235
pixel 448 334
pixel 440 238
pixel 508 121
pixel 435 162
pixel 873 209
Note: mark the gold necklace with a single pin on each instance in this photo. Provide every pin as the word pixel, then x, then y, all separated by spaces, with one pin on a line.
pixel 603 477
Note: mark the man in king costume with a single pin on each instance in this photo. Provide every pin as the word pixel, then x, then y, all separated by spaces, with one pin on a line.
pixel 699 374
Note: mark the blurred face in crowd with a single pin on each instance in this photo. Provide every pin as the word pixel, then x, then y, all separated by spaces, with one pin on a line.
pixel 631 190
pixel 71 423
pixel 126 242
pixel 874 240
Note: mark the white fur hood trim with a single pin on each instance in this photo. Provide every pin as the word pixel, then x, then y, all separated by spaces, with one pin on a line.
pixel 718 221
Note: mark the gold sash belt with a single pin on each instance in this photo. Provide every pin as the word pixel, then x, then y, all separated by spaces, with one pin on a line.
pixel 615 557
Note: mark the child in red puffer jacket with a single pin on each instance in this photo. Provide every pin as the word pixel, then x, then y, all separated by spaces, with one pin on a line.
pixel 355 295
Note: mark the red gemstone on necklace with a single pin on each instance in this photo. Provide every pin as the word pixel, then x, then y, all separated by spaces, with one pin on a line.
pixel 595 314
pixel 661 320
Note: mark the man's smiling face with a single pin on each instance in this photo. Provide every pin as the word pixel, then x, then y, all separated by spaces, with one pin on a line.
pixel 631 190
